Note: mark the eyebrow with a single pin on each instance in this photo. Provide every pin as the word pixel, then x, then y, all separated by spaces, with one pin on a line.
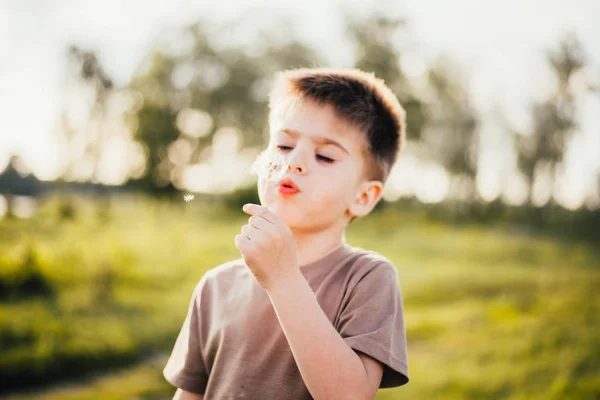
pixel 316 139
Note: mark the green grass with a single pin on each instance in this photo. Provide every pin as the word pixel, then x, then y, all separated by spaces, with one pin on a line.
pixel 491 313
pixel 141 381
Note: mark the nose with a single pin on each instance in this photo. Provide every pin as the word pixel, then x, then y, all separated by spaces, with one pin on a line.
pixel 296 162
pixel 296 168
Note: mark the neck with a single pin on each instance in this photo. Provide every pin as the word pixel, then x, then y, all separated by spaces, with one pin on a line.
pixel 313 245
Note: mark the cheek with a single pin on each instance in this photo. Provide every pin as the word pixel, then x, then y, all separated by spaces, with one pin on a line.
pixel 333 193
pixel 344 191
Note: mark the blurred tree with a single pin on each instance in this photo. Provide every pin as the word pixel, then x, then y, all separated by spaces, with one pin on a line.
pixel 598 184
pixel 17 179
pixel 213 87
pixel 376 51
pixel 444 129
pixel 450 132
pixel 95 119
pixel 188 96
pixel 156 129
pixel 554 120
pixel 89 76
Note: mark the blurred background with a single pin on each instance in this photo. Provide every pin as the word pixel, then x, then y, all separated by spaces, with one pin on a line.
pixel 112 111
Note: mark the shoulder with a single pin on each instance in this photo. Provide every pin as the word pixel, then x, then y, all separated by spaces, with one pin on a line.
pixel 226 273
pixel 370 272
pixel 371 279
pixel 365 262
pixel 226 269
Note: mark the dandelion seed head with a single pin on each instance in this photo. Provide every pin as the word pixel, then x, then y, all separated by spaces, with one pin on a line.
pixel 188 197
pixel 270 164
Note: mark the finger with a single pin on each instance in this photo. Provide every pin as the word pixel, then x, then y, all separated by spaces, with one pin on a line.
pixel 259 222
pixel 241 242
pixel 249 231
pixel 260 211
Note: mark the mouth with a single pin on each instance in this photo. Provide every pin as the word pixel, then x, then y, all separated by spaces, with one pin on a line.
pixel 287 186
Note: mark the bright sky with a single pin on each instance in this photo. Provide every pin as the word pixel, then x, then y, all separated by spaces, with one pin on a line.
pixel 501 43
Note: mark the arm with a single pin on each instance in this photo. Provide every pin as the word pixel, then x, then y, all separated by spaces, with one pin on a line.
pixel 181 394
pixel 329 367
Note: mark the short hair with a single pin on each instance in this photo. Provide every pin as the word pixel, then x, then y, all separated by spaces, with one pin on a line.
pixel 357 97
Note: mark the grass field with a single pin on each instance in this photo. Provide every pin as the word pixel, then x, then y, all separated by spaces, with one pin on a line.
pixel 90 305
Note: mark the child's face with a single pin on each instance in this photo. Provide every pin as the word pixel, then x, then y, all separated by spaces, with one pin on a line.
pixel 327 189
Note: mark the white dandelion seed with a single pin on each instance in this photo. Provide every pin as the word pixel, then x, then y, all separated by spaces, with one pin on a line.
pixel 270 164
pixel 188 197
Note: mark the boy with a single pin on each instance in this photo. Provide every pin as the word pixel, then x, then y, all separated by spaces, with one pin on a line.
pixel 303 314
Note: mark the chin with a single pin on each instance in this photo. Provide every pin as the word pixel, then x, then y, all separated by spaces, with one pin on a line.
pixel 296 218
pixel 288 208
pixel 288 212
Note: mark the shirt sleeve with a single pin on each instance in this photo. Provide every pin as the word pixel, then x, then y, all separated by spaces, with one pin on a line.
pixel 372 321
pixel 185 367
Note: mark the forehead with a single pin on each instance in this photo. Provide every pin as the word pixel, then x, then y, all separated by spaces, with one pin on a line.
pixel 319 123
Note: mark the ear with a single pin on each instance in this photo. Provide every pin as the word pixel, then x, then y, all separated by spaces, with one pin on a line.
pixel 366 199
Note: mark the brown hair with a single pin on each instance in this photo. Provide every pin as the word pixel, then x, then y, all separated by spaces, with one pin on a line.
pixel 356 96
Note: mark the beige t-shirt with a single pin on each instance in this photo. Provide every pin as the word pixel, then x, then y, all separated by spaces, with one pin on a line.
pixel 231 345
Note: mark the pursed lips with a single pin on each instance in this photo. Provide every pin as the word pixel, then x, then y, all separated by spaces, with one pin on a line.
pixel 288 183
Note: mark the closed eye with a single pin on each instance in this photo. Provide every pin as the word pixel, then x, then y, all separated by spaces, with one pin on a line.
pixel 326 159
pixel 320 157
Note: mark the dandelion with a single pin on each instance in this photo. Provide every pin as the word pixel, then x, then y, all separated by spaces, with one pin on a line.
pixel 188 197
pixel 270 164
